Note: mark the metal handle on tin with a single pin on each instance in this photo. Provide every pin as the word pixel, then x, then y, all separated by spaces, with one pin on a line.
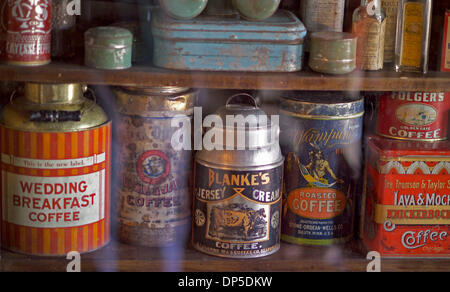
pixel 250 98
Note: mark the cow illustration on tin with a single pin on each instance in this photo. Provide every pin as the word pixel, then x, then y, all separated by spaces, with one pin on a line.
pixel 238 222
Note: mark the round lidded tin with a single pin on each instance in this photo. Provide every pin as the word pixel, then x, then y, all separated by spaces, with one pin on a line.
pixel 256 10
pixel 320 137
pixel 154 194
pixel 237 184
pixel 186 9
pixel 417 116
pixel 28 32
pixel 332 52
pixel 108 47
pixel 56 162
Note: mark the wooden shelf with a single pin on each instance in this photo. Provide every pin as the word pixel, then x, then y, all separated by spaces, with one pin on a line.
pixel 290 258
pixel 304 80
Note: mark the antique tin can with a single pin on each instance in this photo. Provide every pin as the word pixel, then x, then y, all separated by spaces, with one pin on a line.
pixel 186 9
pixel 390 7
pixel 28 37
pixel 421 116
pixel 256 10
pixel 406 201
pixel 229 44
pixel 321 140
pixel 323 15
pixel 237 189
pixel 108 47
pixel 154 195
pixel 141 41
pixel 55 161
pixel 332 52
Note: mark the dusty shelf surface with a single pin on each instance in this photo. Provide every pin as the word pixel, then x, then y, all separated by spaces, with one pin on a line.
pixel 385 80
pixel 118 257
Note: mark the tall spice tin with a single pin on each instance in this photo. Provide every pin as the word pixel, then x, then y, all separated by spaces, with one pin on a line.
pixel 154 199
pixel 321 141
pixel 391 9
pixel 28 37
pixel 55 161
pixel 237 190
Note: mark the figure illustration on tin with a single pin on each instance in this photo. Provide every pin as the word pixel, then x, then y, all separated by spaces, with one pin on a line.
pixel 237 222
pixel 314 172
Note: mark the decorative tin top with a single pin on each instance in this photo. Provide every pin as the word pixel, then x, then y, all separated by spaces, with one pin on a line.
pixel 283 26
pixel 185 9
pixel 328 105
pixel 109 37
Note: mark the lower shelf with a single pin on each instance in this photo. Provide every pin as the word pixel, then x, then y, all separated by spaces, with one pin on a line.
pixel 118 257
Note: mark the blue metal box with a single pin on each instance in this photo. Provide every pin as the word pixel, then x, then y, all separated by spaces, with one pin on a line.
pixel 229 44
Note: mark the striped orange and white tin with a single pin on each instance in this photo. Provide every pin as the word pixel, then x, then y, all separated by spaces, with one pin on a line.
pixel 55 190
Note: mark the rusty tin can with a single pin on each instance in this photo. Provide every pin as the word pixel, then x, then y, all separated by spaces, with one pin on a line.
pixel 406 201
pixel 108 47
pixel 28 36
pixel 154 197
pixel 321 140
pixel 332 52
pixel 420 116
pixel 237 189
pixel 55 161
pixel 214 43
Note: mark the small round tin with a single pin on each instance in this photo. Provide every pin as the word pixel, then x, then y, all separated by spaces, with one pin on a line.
pixel 417 116
pixel 108 47
pixel 332 52
pixel 321 136
pixel 186 9
pixel 256 10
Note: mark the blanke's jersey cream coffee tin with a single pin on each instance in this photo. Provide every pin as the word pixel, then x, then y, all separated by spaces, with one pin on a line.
pixel 321 141
pixel 55 163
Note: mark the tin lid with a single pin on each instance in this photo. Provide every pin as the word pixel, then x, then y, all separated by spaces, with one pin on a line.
pixel 322 105
pixel 155 101
pixel 332 36
pixel 282 27
pixel 242 118
pixel 109 37
pixel 185 9
pixel 51 93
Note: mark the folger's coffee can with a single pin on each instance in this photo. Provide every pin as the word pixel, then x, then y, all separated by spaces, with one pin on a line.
pixel 28 36
pixel 321 140
pixel 419 116
pixel 237 186
pixel 153 191
pixel 55 163
pixel 406 198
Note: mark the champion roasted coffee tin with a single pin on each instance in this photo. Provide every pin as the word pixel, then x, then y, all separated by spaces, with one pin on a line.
pixel 418 116
pixel 321 141
pixel 55 163
pixel 237 193
pixel 154 194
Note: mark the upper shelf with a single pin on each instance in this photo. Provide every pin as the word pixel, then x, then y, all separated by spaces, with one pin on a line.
pixel 305 80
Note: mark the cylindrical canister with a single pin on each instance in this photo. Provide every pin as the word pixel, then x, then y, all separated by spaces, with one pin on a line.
pixel 321 140
pixel 419 116
pixel 238 184
pixel 108 47
pixel 55 148
pixel 332 52
pixel 154 193
pixel 28 37
pixel 322 15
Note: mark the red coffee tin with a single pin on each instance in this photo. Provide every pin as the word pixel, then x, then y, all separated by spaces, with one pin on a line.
pixel 406 198
pixel 418 116
pixel 28 36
